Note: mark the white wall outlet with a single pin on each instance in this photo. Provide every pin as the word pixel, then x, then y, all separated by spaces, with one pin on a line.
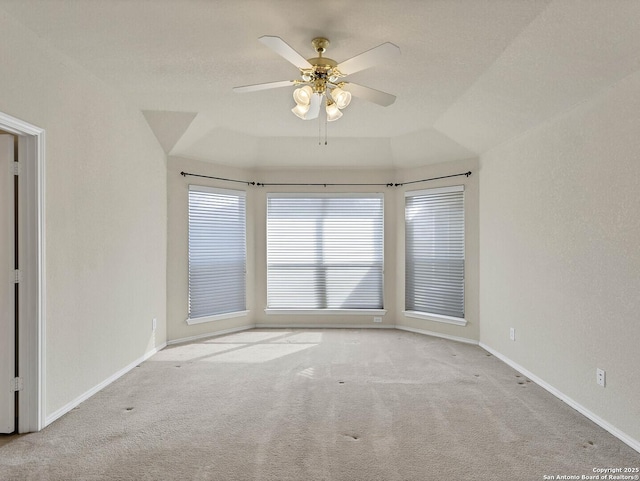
pixel 512 333
pixel 154 324
pixel 601 377
pixel 377 319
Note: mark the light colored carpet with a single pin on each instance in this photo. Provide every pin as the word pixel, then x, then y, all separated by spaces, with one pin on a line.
pixel 339 404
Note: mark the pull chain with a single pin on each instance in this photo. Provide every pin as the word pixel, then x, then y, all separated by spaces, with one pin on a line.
pixel 325 130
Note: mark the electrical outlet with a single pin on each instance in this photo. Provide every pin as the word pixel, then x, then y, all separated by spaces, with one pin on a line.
pixel 601 377
pixel 512 333
pixel 154 323
pixel 377 319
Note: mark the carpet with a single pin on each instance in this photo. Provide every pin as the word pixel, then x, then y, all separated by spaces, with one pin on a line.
pixel 325 404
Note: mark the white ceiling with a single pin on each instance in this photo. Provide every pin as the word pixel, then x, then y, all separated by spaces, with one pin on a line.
pixel 473 73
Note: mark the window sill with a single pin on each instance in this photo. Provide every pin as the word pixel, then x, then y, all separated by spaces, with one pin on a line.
pixel 327 312
pixel 217 317
pixel 457 321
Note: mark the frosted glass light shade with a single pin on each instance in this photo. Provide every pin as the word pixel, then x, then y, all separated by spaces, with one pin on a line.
pixel 341 97
pixel 302 96
pixel 333 113
pixel 301 111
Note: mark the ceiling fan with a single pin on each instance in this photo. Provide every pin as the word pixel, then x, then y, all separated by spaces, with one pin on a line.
pixel 321 78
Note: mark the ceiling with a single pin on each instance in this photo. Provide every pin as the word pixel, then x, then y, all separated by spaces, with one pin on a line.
pixel 472 74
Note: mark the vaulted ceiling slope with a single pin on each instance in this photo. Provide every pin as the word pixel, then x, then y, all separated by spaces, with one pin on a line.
pixel 472 74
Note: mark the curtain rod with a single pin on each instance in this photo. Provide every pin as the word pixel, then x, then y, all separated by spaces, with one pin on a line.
pixel 263 184
pixel 184 174
pixel 466 174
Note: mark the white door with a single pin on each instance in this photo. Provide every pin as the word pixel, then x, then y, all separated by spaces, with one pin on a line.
pixel 7 285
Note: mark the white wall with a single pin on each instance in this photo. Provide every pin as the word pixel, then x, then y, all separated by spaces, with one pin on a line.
pixel 177 282
pixel 560 253
pixel 105 216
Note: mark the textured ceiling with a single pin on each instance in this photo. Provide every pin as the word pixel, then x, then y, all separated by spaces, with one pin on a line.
pixel 472 73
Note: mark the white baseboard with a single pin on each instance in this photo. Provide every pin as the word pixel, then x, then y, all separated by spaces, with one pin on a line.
pixel 324 326
pixel 86 395
pixel 211 334
pixel 625 438
pixel 437 334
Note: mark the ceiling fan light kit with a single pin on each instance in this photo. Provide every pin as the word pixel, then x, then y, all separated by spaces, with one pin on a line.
pixel 320 78
pixel 341 97
pixel 300 111
pixel 302 95
pixel 333 112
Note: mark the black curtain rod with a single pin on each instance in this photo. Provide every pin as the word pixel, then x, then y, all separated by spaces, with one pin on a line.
pixel 262 184
pixel 184 174
pixel 466 174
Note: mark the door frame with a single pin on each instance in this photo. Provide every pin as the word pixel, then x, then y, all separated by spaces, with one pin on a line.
pixel 31 242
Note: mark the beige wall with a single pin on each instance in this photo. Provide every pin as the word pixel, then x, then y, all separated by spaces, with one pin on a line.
pixel 105 216
pixel 560 255
pixel 256 243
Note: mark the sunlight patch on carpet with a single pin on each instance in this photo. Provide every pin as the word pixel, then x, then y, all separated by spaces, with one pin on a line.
pixel 192 352
pixel 259 353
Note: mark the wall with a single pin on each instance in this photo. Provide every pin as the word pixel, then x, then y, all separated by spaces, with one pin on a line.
pixel 559 255
pixel 105 214
pixel 177 281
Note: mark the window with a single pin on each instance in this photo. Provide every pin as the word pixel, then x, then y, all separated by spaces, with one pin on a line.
pixel 324 251
pixel 217 251
pixel 434 247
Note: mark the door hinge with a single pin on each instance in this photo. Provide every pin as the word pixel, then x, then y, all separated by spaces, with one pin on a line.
pixel 17 384
pixel 16 168
pixel 17 276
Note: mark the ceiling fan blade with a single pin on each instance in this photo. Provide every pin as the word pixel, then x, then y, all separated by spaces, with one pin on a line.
pixel 367 93
pixel 265 86
pixel 376 56
pixel 314 107
pixel 283 49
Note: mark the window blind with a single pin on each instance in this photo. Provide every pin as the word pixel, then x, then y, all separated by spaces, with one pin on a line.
pixel 434 251
pixel 217 251
pixel 324 251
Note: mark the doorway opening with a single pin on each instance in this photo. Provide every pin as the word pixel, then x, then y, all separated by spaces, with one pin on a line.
pixel 9 291
pixel 24 187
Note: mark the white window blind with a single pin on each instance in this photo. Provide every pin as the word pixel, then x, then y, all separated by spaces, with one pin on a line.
pixel 324 251
pixel 434 251
pixel 217 251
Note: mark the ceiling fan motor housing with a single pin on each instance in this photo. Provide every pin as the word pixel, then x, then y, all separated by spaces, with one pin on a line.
pixel 323 69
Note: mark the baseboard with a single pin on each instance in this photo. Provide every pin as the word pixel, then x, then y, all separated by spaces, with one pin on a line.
pixel 324 326
pixel 625 438
pixel 211 334
pixel 437 334
pixel 86 395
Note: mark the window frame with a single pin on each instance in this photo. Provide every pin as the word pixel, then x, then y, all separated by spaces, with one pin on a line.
pixel 225 315
pixel 425 315
pixel 327 311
